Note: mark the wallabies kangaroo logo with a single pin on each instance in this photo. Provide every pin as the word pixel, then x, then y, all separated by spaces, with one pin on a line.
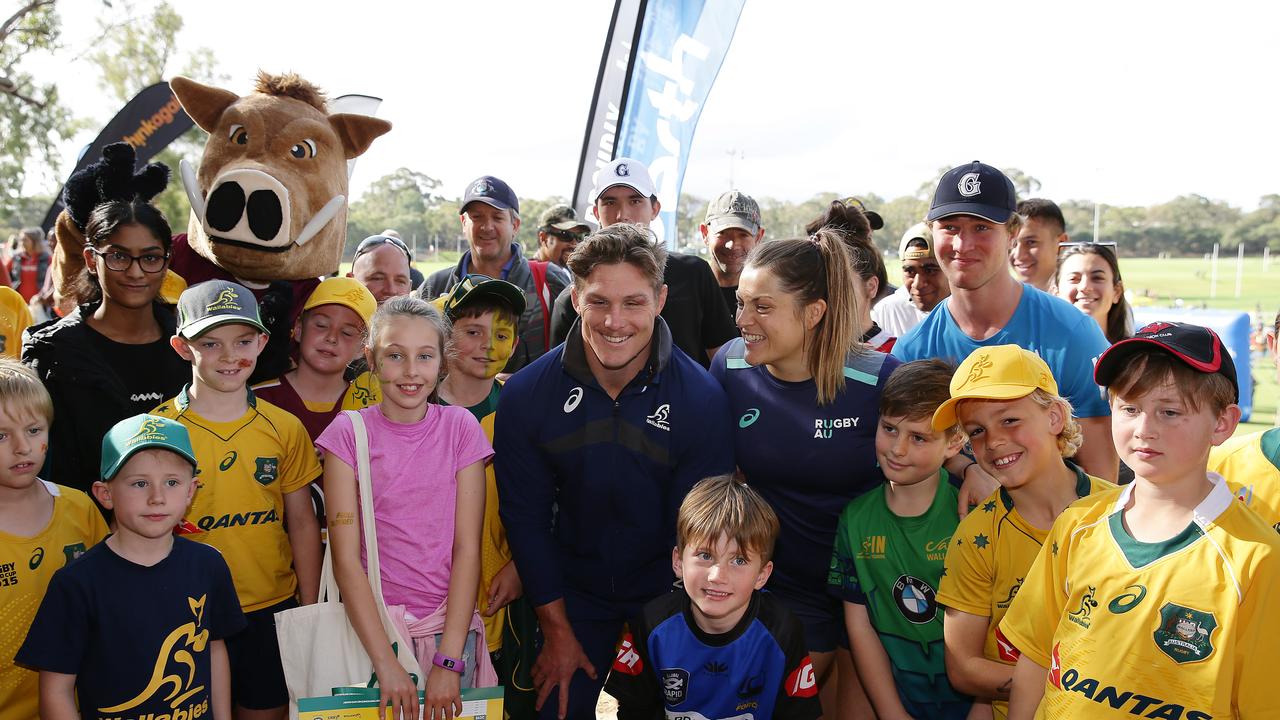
pixel 226 300
pixel 150 426
pixel 175 666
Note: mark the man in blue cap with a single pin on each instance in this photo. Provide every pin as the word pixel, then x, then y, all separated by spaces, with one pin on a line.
pixel 490 216
pixel 970 220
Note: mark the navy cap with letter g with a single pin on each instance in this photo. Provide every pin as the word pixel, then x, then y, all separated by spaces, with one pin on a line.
pixel 974 189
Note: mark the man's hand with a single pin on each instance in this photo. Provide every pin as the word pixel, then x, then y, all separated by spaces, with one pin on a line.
pixel 560 658
pixel 506 586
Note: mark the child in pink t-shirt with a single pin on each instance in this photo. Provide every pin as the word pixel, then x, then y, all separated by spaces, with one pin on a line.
pixel 427 467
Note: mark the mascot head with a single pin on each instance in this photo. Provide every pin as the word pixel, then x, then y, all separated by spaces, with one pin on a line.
pixel 270 200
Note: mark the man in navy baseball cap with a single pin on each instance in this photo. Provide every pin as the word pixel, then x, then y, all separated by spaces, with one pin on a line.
pixel 970 222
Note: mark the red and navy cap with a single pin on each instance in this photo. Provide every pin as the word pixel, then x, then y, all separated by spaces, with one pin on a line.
pixel 1199 347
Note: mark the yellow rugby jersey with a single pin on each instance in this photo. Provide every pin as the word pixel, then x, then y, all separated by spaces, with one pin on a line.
pixel 26 566
pixel 1251 466
pixel 1184 628
pixel 245 469
pixel 988 559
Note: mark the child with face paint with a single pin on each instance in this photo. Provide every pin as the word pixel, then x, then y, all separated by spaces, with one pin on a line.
pixel 484 313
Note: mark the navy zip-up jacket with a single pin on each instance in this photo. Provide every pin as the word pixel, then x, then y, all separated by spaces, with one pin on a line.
pixel 589 487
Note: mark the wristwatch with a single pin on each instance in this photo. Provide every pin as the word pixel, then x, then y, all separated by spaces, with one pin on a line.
pixel 448 663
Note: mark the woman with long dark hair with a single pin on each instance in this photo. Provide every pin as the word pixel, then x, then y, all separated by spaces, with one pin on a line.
pixel 110 358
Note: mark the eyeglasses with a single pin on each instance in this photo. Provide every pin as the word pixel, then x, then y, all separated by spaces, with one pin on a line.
pixel 566 235
pixel 121 262
pixel 369 243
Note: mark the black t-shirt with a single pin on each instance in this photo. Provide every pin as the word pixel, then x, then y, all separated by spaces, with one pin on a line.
pixel 151 372
pixel 134 635
pixel 694 311
pixel 731 302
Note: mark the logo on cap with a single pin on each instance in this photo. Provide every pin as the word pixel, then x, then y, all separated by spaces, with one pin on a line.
pixel 969 184
pixel 1154 327
pixel 622 170
pixel 481 188
pixel 979 370
pixel 226 300
pixel 151 429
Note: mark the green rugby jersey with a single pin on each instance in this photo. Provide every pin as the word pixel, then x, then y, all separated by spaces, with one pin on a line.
pixel 892 565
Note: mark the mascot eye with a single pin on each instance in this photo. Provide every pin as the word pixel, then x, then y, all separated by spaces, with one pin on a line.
pixel 303 150
pixel 238 135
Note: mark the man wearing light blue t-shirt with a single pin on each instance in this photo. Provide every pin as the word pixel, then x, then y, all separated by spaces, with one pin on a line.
pixel 969 220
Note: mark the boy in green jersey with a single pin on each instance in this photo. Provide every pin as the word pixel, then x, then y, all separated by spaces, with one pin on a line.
pixel 890 547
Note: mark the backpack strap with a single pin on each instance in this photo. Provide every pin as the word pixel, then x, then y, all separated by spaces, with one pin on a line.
pixel 539 270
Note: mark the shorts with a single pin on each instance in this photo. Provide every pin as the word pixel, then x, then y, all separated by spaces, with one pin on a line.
pixel 257 675
pixel 821 615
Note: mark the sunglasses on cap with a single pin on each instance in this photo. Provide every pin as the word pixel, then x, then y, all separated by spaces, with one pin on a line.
pixel 369 243
pixel 566 235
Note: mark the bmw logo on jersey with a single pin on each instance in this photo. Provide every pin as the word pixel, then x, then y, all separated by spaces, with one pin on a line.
pixel 916 599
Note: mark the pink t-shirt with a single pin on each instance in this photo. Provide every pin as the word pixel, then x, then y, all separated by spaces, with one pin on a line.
pixel 415 489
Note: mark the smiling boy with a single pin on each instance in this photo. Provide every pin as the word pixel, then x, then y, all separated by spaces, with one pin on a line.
pixel 720 648
pixel 889 552
pixel 257 463
pixel 140 602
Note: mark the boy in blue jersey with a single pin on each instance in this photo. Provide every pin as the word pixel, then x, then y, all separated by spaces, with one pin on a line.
pixel 135 628
pixel 721 648
pixel 889 552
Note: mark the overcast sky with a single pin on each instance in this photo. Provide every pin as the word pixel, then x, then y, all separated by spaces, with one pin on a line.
pixel 1128 103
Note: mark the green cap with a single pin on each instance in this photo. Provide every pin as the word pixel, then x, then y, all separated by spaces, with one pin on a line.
pixel 204 307
pixel 141 432
pixel 474 287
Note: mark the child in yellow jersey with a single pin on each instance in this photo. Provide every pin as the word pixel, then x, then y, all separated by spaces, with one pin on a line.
pixel 483 314
pixel 1006 400
pixel 42 528
pixel 256 463
pixel 1251 463
pixel 1158 599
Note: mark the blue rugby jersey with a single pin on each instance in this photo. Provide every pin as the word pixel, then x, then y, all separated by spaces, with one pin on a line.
pixel 759 669
pixel 807 461
pixel 589 486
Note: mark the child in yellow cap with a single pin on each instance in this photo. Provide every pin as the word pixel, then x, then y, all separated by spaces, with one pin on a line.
pixel 1021 432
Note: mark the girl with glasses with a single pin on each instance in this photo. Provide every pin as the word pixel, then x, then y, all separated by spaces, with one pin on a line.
pixel 110 358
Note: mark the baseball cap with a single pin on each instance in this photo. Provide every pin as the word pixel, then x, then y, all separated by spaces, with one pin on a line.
pixel 490 191
pixel 344 291
pixel 919 231
pixel 999 372
pixel 733 209
pixel 873 217
pixel 474 287
pixel 623 171
pixel 1197 346
pixel 140 432
pixel 562 217
pixel 974 189
pixel 209 304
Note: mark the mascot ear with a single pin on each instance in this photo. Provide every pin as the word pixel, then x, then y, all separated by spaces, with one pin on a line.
pixel 203 103
pixel 357 132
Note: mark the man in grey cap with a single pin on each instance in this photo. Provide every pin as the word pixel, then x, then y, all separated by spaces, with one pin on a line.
pixel 730 230
pixel 559 231
pixel 490 217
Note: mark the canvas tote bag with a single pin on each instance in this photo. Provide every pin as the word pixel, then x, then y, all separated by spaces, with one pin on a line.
pixel 318 647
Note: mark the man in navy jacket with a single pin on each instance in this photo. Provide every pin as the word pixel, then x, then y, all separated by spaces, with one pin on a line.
pixel 596 444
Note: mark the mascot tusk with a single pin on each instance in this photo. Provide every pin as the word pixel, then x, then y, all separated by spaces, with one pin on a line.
pixel 192 186
pixel 321 218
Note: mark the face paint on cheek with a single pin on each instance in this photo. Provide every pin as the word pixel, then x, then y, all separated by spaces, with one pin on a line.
pixel 245 363
pixel 500 348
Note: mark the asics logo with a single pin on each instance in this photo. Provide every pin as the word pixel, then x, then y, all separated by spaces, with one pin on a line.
pixel 575 397
pixel 749 417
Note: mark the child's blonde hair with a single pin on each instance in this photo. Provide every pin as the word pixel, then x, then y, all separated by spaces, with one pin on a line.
pixel 22 392
pixel 724 505
pixel 1070 438
pixel 409 307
